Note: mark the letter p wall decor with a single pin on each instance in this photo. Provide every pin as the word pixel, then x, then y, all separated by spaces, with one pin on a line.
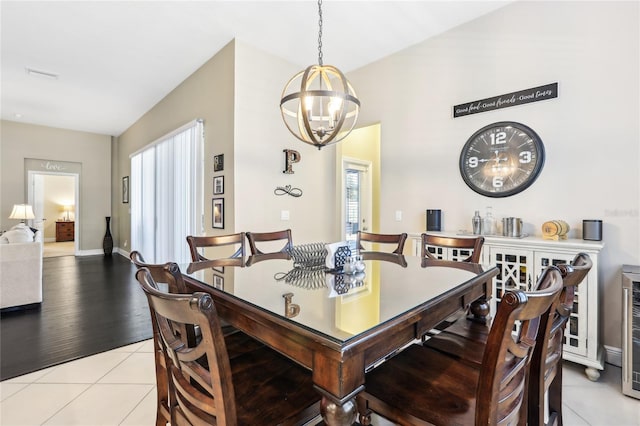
pixel 290 157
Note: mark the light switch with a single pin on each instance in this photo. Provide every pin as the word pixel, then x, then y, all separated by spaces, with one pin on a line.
pixel 284 214
pixel 398 215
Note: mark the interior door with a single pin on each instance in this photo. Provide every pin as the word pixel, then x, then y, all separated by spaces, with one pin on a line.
pixel 356 203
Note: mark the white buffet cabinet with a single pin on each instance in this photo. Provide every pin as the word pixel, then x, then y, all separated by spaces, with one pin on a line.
pixel 520 261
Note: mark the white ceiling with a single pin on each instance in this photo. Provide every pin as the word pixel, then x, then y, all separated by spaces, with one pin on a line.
pixel 115 60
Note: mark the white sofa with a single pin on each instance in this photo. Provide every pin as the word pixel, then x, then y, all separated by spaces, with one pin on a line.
pixel 20 273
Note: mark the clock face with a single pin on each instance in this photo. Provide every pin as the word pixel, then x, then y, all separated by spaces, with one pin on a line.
pixel 502 159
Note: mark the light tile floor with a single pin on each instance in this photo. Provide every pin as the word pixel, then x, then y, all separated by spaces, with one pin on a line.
pixel 118 388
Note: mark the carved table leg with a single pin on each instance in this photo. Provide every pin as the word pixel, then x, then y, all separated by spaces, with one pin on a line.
pixel 336 414
pixel 480 311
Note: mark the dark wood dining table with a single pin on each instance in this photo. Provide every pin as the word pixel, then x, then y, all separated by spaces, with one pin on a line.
pixel 340 325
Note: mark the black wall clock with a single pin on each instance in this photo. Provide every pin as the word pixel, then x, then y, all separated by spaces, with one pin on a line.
pixel 502 159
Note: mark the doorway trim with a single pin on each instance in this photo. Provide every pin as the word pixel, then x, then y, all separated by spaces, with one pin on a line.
pixel 34 167
pixel 364 166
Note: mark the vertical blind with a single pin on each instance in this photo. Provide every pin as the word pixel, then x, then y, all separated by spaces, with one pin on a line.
pixel 167 195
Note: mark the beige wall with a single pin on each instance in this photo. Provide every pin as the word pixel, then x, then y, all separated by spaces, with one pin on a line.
pixel 228 90
pixel 20 141
pixel 208 94
pixel 590 132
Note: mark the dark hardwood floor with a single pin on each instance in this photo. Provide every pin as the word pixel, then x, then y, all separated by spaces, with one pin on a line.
pixel 90 305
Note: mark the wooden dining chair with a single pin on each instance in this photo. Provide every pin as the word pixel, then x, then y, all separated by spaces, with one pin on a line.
pixel 385 257
pixel 397 239
pixel 466 249
pixel 421 385
pixel 169 275
pixel 264 237
pixel 220 242
pixel 163 414
pixel 207 386
pixel 546 368
pixel 465 340
pixel 174 284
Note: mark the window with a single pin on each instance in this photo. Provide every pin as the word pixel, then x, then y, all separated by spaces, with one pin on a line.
pixel 166 192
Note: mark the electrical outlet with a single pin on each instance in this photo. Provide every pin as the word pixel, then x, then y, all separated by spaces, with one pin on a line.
pixel 398 215
pixel 284 214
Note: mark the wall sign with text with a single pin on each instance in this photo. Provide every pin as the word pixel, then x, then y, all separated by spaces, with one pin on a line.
pixel 526 96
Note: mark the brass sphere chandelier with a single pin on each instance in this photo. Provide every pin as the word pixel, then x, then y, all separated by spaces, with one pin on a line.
pixel 319 105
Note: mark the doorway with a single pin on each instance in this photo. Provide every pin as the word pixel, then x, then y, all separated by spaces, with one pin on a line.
pixel 55 201
pixel 357 198
pixel 358 166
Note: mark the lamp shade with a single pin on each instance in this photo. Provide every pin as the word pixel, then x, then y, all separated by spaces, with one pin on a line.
pixel 22 212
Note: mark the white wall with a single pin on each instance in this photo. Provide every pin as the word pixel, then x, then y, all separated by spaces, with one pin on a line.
pixel 590 132
pixel 260 138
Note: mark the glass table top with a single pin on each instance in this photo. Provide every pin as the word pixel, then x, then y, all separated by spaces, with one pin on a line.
pixel 338 305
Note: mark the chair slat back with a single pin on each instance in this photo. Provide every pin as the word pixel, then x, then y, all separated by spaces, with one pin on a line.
pixel 257 237
pixel 212 400
pixel 200 242
pixel 470 243
pixel 572 275
pixel 169 274
pixel 548 352
pixel 397 239
pixel 507 355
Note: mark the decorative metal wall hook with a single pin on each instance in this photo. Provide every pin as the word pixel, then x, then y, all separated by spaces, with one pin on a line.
pixel 288 190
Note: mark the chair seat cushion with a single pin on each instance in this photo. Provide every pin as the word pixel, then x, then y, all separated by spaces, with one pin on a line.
pixel 420 384
pixel 270 389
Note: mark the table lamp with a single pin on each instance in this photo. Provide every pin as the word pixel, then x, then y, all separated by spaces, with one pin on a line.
pixel 22 212
pixel 67 209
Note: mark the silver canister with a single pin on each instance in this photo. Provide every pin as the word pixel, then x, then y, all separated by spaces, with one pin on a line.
pixel 507 226
pixel 511 227
pixel 516 226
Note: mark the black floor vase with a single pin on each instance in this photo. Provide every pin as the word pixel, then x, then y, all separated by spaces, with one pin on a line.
pixel 107 242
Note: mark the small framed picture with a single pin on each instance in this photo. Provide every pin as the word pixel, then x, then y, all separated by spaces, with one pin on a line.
pixel 218 163
pixel 218 269
pixel 218 185
pixel 218 282
pixel 125 189
pixel 217 213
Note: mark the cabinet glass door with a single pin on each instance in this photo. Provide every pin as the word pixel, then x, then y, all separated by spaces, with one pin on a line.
pixel 575 335
pixel 515 269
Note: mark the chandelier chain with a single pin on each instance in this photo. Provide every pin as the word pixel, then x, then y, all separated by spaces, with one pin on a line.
pixel 320 32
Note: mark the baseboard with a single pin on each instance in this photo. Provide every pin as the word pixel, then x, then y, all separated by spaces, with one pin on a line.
pixel 122 252
pixel 89 252
pixel 613 355
pixel 95 252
